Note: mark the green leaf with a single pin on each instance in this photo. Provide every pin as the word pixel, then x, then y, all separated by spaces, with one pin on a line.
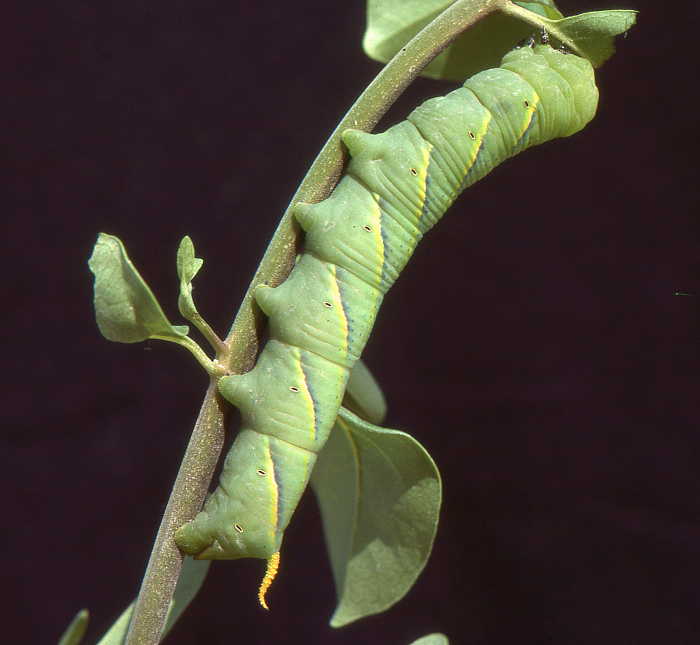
pixel 392 23
pixel 126 309
pixel 76 630
pixel 187 264
pixel 379 493
pixel 188 585
pixel 363 396
pixel 432 639
pixel 591 35
pixel 187 267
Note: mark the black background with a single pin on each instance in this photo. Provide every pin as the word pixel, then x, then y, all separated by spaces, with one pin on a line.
pixel 534 344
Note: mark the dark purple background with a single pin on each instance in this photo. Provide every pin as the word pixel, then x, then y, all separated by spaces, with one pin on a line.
pixel 534 345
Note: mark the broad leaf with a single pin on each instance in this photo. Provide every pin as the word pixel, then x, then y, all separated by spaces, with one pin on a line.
pixel 432 639
pixel 363 396
pixel 591 35
pixel 379 493
pixel 126 309
pixel 392 23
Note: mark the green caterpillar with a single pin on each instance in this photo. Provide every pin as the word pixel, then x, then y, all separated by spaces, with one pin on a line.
pixel 397 185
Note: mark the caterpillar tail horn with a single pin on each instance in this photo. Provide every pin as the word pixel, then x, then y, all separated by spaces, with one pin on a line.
pixel 273 564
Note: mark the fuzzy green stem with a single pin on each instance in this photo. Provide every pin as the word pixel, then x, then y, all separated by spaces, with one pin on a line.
pixel 185 500
pixel 189 312
pixel 213 367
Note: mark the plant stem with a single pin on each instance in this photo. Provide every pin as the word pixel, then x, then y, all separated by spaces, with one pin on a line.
pixel 185 304
pixel 212 368
pixel 186 499
pixel 203 451
pixel 208 333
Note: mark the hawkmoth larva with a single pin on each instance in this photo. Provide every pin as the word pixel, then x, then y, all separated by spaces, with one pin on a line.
pixel 396 186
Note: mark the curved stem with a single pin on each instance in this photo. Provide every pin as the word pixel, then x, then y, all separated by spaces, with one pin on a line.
pixel 186 499
pixel 213 368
